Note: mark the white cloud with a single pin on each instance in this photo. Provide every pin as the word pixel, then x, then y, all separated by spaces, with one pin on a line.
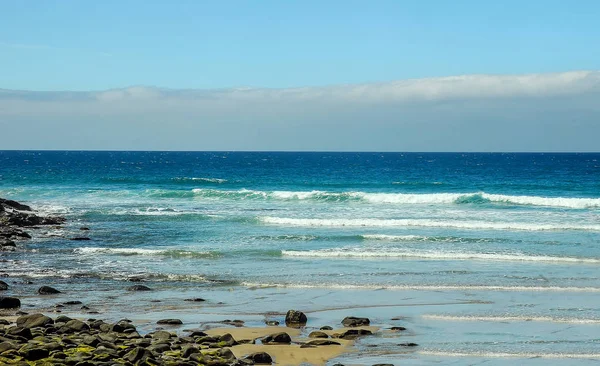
pixel 559 111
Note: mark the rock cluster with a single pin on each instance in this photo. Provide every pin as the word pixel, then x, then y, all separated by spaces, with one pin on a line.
pixel 37 339
pixel 15 216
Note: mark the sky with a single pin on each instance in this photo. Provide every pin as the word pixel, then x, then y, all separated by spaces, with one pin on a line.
pixel 300 75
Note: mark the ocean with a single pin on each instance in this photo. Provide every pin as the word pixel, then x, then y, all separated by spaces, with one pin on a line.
pixel 483 257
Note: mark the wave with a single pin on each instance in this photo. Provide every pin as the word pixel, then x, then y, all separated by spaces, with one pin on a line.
pixel 482 225
pixel 151 252
pixel 527 355
pixel 424 287
pixel 401 198
pixel 200 179
pixel 386 253
pixel 545 319
pixel 429 239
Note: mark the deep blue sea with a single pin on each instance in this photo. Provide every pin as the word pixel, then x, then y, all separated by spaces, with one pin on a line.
pixel 485 256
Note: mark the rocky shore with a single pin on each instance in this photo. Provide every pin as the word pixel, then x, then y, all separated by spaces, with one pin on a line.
pixel 39 340
pixel 16 218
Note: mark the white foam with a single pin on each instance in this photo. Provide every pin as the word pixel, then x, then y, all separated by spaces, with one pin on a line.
pixel 135 251
pixel 492 225
pixel 374 253
pixel 395 237
pixel 485 354
pixel 545 319
pixel 405 198
pixel 425 287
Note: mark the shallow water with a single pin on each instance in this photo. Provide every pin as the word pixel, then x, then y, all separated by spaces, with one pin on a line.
pixel 488 257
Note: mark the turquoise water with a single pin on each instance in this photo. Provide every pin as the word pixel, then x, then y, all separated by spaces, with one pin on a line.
pixel 516 236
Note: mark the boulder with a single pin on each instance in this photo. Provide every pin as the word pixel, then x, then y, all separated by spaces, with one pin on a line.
pixel 9 302
pixel 318 334
pixel 277 338
pixel 3 286
pixel 351 321
pixel 34 320
pixel 295 318
pixel 170 322
pixel 14 205
pixel 353 333
pixel 77 325
pixel 47 290
pixel 260 358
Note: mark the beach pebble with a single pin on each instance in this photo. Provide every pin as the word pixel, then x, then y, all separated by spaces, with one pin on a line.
pixel 295 317
pixel 47 290
pixel 352 321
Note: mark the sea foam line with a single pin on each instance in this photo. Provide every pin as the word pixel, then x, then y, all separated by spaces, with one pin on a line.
pixel 545 319
pixel 141 251
pixel 424 287
pixel 511 355
pixel 423 223
pixel 373 253
pixel 402 198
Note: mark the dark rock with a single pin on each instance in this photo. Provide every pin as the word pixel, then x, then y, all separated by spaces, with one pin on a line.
pixel 138 354
pixel 323 342
pixel 354 333
pixel 272 323
pixel 408 344
pixel 21 313
pixel 295 318
pixel 3 286
pixel 7 243
pixel 317 334
pixel 80 238
pixel 14 205
pixel 4 322
pixel 139 288
pixel 260 358
pixel 84 228
pixel 5 346
pixel 170 321
pixel 226 354
pixel 277 338
pixel 187 351
pixel 227 340
pixel 20 332
pixel 9 302
pixel 73 302
pixel 62 319
pixel 397 329
pixel 161 334
pixel 47 290
pixel 327 327
pixel 197 299
pixel 158 348
pixel 34 320
pixel 351 321
pixel 198 333
pixel 33 352
pixel 77 325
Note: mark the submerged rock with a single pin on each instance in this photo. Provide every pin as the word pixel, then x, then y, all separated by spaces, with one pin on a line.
pixel 139 288
pixel 170 321
pixel 351 321
pixel 295 318
pixel 3 286
pixel 47 290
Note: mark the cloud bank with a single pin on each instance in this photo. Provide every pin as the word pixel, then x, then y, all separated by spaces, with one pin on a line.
pixel 536 112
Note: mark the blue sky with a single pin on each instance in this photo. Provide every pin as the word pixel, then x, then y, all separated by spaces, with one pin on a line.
pixel 300 75
pixel 95 45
